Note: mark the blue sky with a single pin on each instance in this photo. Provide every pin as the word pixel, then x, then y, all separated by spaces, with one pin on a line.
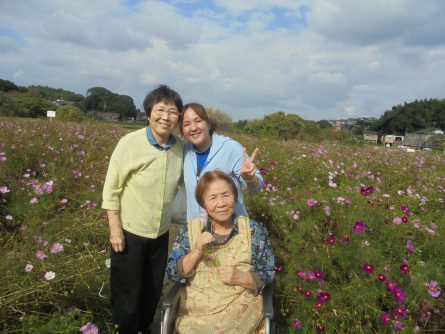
pixel 320 59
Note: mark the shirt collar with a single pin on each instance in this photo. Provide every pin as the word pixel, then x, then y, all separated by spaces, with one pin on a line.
pixel 171 141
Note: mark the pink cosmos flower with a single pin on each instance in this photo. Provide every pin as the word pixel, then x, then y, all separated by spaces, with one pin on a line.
pixel 56 248
pixel 4 190
pixel 296 325
pixel 296 215
pixel 40 255
pixel 368 268
pixel 311 202
pixel 397 220
pixel 301 274
pixel 33 200
pixel 263 171
pixel 49 275
pixel 29 267
pixel 385 318
pixel 330 240
pixel 399 325
pixel 311 276
pixel 280 269
pixel 89 328
pixel 410 246
pixel 433 289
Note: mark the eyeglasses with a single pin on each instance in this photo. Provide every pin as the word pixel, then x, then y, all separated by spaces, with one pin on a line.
pixel 172 113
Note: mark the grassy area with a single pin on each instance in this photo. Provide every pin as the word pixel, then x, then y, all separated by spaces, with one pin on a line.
pixel 337 215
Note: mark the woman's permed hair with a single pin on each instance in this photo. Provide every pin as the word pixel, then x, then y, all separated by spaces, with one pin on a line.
pixel 210 177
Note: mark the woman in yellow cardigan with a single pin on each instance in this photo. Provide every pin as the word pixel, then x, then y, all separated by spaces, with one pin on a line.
pixel 141 182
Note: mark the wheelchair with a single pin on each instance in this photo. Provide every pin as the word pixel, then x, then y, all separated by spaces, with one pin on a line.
pixel 170 304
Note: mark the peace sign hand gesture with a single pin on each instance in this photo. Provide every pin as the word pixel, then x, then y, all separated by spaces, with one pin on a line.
pixel 248 168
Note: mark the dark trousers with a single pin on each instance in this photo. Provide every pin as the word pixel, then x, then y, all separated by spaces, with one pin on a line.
pixel 136 280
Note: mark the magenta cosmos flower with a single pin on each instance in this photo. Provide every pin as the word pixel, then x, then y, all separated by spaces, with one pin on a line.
pixel 399 294
pixel 365 191
pixel 359 227
pixel 404 268
pixel 381 277
pixel 385 318
pixel 390 285
pixel 296 324
pixel 433 289
pixel 400 311
pixel 368 268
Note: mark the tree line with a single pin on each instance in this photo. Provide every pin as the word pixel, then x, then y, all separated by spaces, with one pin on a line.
pixel 34 101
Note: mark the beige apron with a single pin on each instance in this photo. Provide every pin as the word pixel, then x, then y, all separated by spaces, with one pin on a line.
pixel 209 306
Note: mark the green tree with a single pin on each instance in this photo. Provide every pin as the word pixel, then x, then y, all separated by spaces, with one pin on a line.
pixel 223 120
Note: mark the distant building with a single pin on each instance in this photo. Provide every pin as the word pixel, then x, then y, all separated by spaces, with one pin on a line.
pixel 418 140
pixel 107 116
pixel 391 140
pixel 61 102
pixel 370 136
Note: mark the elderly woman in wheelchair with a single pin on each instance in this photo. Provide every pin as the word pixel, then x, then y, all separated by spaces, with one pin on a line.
pixel 226 261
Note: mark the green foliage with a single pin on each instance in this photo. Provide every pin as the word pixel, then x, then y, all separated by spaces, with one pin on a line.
pixel 223 120
pixel 6 86
pixel 412 117
pixel 53 94
pixel 324 124
pixel 70 113
pixel 27 106
pixel 102 100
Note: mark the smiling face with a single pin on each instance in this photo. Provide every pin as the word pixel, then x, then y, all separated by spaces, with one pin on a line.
pixel 196 130
pixel 163 120
pixel 219 201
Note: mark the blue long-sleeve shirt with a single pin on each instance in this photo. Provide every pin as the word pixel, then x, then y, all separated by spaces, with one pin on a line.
pixel 225 155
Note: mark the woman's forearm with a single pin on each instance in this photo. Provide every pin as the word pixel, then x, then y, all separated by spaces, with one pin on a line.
pixel 190 261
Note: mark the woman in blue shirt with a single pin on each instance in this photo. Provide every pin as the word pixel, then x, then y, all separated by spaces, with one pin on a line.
pixel 206 150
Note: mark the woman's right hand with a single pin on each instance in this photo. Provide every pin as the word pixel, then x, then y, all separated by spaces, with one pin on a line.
pixel 204 239
pixel 117 238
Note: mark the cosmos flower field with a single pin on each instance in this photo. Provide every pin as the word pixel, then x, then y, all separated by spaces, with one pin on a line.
pixel 358 232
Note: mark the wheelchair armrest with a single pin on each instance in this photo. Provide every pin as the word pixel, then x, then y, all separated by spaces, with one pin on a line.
pixel 268 303
pixel 172 295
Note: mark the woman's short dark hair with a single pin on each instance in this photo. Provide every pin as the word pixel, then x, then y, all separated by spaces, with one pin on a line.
pixel 201 112
pixel 210 177
pixel 162 93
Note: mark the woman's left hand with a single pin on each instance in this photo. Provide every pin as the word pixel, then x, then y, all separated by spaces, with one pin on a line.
pixel 248 168
pixel 229 275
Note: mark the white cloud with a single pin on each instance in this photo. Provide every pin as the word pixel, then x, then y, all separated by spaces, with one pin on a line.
pixel 352 58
